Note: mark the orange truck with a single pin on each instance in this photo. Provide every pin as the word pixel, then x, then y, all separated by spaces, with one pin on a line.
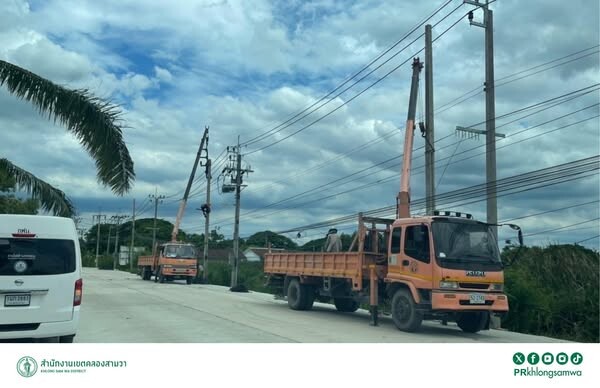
pixel 172 260
pixel 446 266
pixel 442 266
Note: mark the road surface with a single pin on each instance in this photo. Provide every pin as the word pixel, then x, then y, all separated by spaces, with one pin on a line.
pixel 120 307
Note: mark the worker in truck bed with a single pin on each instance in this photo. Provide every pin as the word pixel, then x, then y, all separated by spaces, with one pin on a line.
pixel 333 243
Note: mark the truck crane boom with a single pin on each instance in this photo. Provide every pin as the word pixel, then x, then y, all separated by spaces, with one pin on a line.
pixel 183 202
pixel 403 199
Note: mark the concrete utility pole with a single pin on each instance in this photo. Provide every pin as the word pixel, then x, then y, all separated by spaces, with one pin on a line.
pixel 156 199
pixel 108 241
pixel 429 128
pixel 183 202
pixel 490 110
pixel 132 237
pixel 117 219
pixel 206 210
pixel 235 171
pixel 98 218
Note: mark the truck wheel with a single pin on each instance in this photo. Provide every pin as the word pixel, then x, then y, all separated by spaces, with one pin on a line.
pixel 310 296
pixel 404 311
pixel 188 280
pixel 345 305
pixel 156 276
pixel 471 322
pixel 161 276
pixel 296 295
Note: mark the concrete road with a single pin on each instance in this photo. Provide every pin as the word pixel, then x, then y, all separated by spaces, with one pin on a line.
pixel 120 307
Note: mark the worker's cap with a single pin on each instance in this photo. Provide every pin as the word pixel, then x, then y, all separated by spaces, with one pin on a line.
pixel 332 230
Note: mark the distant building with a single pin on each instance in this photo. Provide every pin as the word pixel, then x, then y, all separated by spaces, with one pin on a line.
pixel 258 254
pixel 124 253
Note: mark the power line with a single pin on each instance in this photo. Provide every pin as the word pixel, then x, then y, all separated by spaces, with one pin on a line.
pixel 319 188
pixel 562 227
pixel 365 89
pixel 278 128
pixel 587 239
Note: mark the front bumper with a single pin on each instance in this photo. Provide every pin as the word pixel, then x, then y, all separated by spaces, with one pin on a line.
pixel 449 300
pixel 174 271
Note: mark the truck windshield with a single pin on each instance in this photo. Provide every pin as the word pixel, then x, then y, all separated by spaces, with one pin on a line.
pixel 179 251
pixel 464 240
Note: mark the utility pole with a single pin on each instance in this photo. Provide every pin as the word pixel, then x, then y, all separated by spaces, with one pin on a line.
pixel 98 218
pixel 206 211
pixel 118 219
pixel 235 171
pixel 188 187
pixel 132 237
pixel 490 110
pixel 429 128
pixel 108 241
pixel 155 198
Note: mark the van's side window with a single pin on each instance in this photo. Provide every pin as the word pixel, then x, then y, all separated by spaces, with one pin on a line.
pixel 416 242
pixel 396 233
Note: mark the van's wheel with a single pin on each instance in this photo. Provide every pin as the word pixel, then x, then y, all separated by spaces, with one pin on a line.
pixel 404 311
pixel 297 295
pixel 189 280
pixel 471 322
pixel 345 305
pixel 66 339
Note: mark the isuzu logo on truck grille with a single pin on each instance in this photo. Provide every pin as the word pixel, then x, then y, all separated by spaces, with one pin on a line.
pixel 475 273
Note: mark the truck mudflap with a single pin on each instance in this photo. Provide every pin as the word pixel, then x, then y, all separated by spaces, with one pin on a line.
pixel 462 301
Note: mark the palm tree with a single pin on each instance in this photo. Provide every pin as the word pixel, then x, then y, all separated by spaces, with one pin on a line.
pixel 95 122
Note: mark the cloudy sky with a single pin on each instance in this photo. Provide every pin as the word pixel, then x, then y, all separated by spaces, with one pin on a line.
pixel 245 67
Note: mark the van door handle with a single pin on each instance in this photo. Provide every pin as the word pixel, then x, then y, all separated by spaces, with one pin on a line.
pixel 405 262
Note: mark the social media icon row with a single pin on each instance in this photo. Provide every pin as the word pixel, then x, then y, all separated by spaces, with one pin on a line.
pixel 547 358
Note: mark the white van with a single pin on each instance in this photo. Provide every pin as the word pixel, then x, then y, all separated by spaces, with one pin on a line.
pixel 40 277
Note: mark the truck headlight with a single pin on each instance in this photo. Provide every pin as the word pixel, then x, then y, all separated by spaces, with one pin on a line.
pixel 444 284
pixel 497 287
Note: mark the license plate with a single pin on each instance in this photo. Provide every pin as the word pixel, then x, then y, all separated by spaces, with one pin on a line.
pixel 477 299
pixel 17 300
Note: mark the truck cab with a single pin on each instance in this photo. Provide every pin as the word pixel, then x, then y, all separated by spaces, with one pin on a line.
pixel 172 260
pixel 449 266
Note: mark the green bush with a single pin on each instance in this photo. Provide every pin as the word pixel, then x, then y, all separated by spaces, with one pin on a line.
pixel 553 291
pixel 250 275
pixel 105 262
pixel 88 260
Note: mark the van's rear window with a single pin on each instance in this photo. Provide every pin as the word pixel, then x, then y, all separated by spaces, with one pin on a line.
pixel 21 257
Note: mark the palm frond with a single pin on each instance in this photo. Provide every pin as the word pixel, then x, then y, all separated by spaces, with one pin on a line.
pixel 94 122
pixel 51 199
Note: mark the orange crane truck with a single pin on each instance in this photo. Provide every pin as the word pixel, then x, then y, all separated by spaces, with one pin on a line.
pixel 173 260
pixel 442 266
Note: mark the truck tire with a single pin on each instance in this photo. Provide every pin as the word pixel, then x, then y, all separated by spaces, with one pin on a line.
pixel 146 273
pixel 404 311
pixel 189 280
pixel 471 322
pixel 161 276
pixel 297 295
pixel 156 276
pixel 346 305
pixel 310 296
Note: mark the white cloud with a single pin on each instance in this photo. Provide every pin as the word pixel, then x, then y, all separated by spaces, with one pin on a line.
pixel 245 67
